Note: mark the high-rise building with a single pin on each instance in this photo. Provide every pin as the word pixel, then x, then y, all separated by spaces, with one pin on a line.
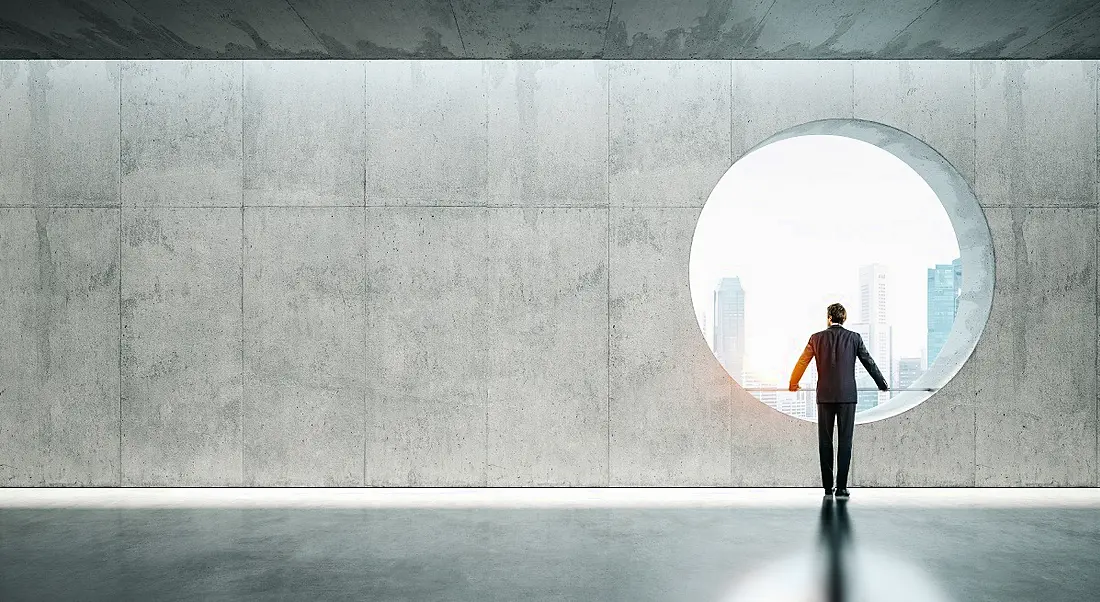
pixel 806 397
pixel 753 381
pixel 874 327
pixel 873 286
pixel 944 286
pixel 866 397
pixel 909 370
pixel 728 323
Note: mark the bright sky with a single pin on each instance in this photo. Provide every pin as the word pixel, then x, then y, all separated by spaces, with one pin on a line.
pixel 795 220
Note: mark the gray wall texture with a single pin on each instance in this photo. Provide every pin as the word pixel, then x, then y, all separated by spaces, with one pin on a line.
pixel 475 272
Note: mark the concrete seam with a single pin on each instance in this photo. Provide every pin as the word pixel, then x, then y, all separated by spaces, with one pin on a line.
pixel 731 95
pixel 363 238
pixel 485 212
pixel 120 203
pixel 852 82
pixel 1016 54
pixel 308 28
pixel 363 142
pixel 240 408
pixel 607 259
pixel 454 16
pixel 974 184
pixel 486 341
pixel 1038 206
pixel 729 383
pixel 365 302
pixel 917 18
pixel 532 206
pixel 759 27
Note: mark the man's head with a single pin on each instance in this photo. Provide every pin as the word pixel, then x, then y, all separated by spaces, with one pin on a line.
pixel 837 313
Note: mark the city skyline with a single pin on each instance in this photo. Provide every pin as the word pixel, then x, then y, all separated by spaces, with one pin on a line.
pixel 875 330
pixel 793 221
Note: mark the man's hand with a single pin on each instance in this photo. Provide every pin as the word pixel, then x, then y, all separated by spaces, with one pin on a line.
pixel 794 387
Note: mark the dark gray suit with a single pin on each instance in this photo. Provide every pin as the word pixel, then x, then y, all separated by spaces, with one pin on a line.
pixel 836 349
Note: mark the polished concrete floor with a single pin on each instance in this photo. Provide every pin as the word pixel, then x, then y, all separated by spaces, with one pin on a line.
pixel 697 545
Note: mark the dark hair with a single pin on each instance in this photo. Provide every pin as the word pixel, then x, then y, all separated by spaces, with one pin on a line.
pixel 837 313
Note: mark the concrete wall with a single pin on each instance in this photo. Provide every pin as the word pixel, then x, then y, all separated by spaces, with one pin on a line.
pixel 475 273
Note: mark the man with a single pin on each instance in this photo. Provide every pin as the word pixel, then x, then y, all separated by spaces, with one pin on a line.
pixel 836 349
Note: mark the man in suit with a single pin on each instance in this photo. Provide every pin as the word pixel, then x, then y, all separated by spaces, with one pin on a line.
pixel 836 349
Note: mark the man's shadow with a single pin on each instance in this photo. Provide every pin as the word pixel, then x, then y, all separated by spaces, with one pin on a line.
pixel 836 540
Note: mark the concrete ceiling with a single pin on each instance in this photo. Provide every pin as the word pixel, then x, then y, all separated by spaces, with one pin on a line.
pixel 611 29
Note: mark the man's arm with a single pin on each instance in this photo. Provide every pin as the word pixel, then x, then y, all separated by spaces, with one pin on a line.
pixel 869 363
pixel 800 366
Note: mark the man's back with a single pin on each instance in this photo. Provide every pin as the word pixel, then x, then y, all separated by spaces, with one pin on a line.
pixel 835 350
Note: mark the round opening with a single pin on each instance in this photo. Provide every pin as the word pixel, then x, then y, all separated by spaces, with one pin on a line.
pixel 850 212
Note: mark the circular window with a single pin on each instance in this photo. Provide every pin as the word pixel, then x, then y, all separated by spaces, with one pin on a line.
pixel 850 212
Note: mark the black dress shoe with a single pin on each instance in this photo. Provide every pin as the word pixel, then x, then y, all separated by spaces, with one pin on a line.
pixel 829 491
pixel 842 493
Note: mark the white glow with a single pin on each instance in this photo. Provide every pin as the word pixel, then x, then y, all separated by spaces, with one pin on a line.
pixel 795 220
pixel 871 576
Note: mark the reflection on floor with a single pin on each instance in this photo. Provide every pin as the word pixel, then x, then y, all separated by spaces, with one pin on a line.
pixel 592 545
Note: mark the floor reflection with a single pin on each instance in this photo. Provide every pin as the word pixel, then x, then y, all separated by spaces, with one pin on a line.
pixel 812 552
pixel 835 538
pixel 839 569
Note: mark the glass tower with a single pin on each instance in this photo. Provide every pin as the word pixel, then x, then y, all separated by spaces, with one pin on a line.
pixel 944 285
pixel 729 326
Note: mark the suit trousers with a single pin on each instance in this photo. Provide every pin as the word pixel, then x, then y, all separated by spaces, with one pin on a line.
pixel 844 414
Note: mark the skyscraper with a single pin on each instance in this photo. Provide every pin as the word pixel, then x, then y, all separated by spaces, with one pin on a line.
pixel 874 327
pixel 702 318
pixel 873 280
pixel 909 371
pixel 807 396
pixel 944 285
pixel 729 326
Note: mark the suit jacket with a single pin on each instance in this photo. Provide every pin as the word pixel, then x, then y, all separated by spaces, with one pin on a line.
pixel 836 349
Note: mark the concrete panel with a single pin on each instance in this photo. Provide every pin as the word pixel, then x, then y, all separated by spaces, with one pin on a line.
pixel 304 346
pixel 17 173
pixel 59 333
pixel 835 29
pixel 670 132
pixel 515 30
pixel 427 357
pixel 219 29
pixel 688 29
pixel 669 398
pixel 771 96
pixel 427 133
pixel 383 29
pixel 931 445
pixel 770 448
pixel 64 29
pixel 1036 362
pixel 1073 38
pixel 931 100
pixel 181 347
pixel 60 131
pixel 548 133
pixel 547 401
pixel 963 30
pixel 181 133
pixel 303 133
pixel 1036 133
